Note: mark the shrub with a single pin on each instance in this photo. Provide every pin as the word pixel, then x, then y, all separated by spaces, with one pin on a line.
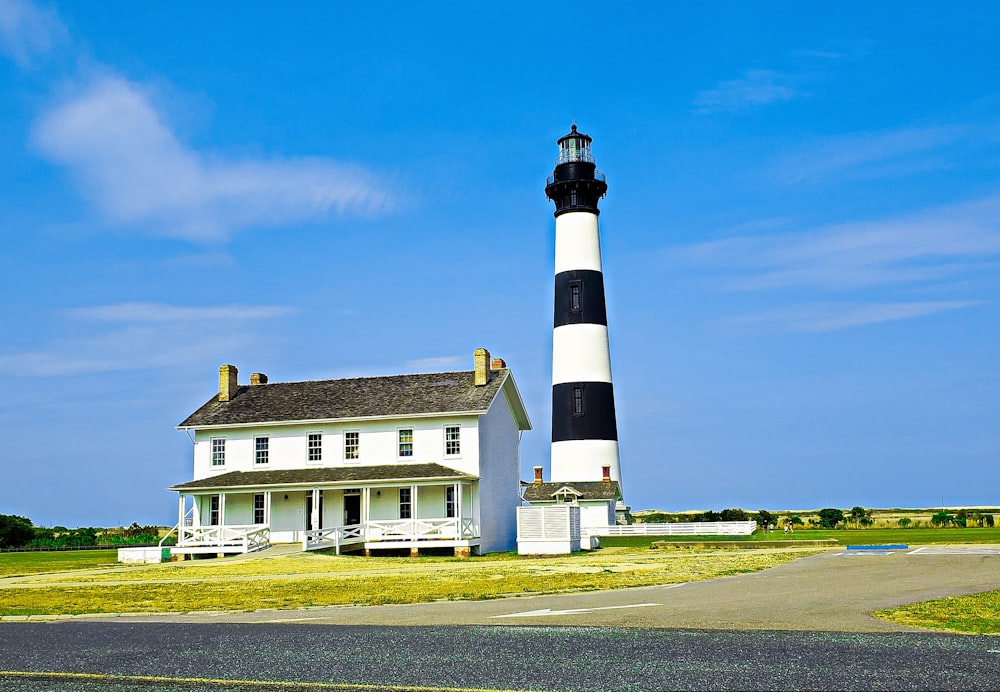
pixel 829 517
pixel 905 522
pixel 942 518
pixel 15 531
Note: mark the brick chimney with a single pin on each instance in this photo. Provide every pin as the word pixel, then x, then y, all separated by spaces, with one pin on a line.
pixel 228 382
pixel 498 364
pixel 606 473
pixel 482 360
pixel 257 378
pixel 538 475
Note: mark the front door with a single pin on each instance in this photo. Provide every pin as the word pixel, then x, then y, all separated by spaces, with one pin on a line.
pixel 309 511
pixel 352 510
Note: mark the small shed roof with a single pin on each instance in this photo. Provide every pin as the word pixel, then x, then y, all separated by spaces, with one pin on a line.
pixel 585 490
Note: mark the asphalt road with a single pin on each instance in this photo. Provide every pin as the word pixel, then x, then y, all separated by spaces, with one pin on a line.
pixel 182 656
pixel 803 625
pixel 825 592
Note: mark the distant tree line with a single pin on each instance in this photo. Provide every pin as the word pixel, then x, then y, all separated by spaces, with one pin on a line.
pixel 826 518
pixel 20 532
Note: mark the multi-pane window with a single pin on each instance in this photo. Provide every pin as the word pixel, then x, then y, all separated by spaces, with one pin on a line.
pixel 452 440
pixel 449 502
pixel 352 444
pixel 315 447
pixel 405 503
pixel 213 511
pixel 261 445
pixel 218 451
pixel 577 400
pixel 406 442
pixel 258 508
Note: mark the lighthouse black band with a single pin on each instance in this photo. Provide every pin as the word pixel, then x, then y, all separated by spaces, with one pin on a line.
pixel 580 298
pixel 583 411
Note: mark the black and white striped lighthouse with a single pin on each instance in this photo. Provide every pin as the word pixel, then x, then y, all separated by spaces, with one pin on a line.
pixel 584 428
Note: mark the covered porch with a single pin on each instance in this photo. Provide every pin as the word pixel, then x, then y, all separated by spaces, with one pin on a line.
pixel 367 509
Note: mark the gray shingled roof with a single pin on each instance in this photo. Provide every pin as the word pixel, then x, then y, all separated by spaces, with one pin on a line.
pixel 319 476
pixel 589 490
pixel 358 397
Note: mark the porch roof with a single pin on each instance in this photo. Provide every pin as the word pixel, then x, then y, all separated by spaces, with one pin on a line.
pixel 322 476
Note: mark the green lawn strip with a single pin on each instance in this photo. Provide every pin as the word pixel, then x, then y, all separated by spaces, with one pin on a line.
pixel 974 614
pixel 492 579
pixel 842 536
pixel 17 564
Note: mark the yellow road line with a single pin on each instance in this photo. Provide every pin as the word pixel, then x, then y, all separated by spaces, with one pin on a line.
pixel 249 684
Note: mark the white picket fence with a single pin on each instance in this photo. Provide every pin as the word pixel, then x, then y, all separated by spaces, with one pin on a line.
pixel 694 528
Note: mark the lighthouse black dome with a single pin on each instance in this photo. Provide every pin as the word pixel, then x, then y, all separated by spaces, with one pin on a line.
pixel 576 184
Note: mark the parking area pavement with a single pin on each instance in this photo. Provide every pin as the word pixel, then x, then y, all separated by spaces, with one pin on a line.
pixel 832 591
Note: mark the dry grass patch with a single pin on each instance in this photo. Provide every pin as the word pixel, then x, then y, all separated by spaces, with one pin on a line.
pixel 975 614
pixel 298 581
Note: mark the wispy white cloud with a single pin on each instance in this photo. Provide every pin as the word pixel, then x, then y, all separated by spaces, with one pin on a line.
pixel 865 154
pixel 755 88
pixel 140 336
pixel 436 362
pixel 927 246
pixel 129 163
pixel 28 32
pixel 827 317
pixel 160 312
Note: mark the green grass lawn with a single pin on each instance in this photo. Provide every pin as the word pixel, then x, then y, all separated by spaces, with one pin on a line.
pixel 16 564
pixel 975 614
pixel 302 580
pixel 842 536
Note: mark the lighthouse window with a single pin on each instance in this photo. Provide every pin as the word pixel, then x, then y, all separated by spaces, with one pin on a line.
pixel 572 198
pixel 578 400
pixel 576 296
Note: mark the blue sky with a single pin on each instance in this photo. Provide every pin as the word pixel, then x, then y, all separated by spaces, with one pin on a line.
pixel 801 235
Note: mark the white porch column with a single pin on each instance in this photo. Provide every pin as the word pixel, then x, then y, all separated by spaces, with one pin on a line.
pixel 458 507
pixel 413 503
pixel 267 509
pixel 222 509
pixel 366 504
pixel 196 503
pixel 180 512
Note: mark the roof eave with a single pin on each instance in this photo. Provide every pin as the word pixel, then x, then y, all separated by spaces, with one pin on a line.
pixel 318 421
pixel 314 484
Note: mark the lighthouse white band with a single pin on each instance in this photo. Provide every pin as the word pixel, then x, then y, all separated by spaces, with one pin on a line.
pixel 580 353
pixel 581 460
pixel 578 242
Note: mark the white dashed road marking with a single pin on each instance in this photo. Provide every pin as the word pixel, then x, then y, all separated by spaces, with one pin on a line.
pixel 927 550
pixel 545 612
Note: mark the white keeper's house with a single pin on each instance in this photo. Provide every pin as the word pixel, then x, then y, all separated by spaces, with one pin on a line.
pixel 409 462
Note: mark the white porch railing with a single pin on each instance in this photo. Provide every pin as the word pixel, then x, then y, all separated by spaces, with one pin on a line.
pixel 336 536
pixel 694 528
pixel 248 538
pixel 420 529
pixel 391 530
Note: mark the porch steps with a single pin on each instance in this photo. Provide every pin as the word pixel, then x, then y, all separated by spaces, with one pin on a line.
pixel 273 550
